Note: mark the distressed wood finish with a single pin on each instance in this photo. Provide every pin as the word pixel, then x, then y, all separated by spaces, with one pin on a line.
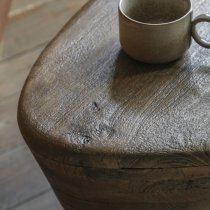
pixel 112 133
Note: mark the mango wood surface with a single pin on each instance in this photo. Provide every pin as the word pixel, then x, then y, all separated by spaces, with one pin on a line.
pixel 113 133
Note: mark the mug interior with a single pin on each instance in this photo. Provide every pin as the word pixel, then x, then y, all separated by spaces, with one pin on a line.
pixel 155 11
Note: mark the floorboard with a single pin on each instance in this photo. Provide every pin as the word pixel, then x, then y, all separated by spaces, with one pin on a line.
pixel 13 74
pixel 44 201
pixel 30 30
pixel 20 177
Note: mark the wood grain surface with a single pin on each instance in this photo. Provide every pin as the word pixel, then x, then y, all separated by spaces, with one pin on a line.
pixel 110 132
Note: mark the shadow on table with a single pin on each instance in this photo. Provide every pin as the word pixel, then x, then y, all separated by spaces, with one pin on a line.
pixel 138 83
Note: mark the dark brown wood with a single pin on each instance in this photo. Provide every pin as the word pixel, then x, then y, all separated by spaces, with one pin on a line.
pixel 113 133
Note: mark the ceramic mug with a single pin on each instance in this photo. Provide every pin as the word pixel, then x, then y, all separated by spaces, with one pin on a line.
pixel 158 31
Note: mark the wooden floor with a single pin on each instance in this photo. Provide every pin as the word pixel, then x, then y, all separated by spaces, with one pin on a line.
pixel 32 23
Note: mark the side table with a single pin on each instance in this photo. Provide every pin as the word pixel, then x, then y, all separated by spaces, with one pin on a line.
pixel 113 133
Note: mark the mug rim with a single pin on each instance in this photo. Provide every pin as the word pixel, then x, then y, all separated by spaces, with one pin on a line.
pixel 155 24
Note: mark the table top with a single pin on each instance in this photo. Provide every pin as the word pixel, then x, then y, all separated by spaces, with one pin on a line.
pixel 86 97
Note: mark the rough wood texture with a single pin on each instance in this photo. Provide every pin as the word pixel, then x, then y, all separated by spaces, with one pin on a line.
pixel 112 133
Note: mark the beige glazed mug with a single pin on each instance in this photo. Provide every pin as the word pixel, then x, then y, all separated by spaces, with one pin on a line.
pixel 158 31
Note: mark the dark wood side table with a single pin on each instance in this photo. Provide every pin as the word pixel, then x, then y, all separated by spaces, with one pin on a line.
pixel 112 133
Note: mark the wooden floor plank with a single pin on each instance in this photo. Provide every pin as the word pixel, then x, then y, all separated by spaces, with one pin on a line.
pixel 20 178
pixel 26 8
pixel 13 74
pixel 10 135
pixel 18 5
pixel 39 26
pixel 42 202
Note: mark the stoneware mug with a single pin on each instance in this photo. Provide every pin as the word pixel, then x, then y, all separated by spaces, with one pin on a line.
pixel 158 31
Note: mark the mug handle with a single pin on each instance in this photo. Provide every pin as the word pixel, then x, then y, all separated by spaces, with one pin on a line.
pixel 197 38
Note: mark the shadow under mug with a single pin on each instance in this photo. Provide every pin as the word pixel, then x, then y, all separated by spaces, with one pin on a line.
pixel 160 31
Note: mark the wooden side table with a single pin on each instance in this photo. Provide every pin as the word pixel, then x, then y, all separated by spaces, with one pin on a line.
pixel 113 133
